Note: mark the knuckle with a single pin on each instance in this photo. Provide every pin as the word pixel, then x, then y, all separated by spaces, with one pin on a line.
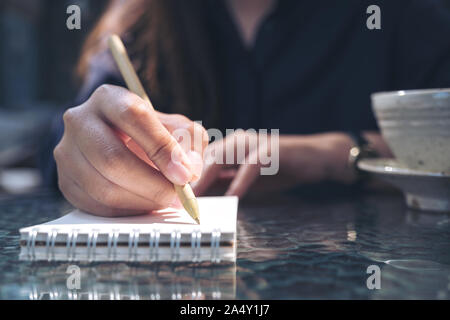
pixel 59 154
pixel 102 90
pixel 100 94
pixel 134 112
pixel 180 118
pixel 70 117
pixel 163 150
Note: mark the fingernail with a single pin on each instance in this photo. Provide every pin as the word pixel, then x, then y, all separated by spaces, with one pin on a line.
pixel 178 155
pixel 179 169
pixel 197 164
pixel 178 173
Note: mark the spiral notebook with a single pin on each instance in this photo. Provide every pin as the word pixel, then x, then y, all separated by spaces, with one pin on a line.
pixel 165 235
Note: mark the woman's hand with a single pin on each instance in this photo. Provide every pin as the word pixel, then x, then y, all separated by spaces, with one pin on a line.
pixel 117 155
pixel 302 159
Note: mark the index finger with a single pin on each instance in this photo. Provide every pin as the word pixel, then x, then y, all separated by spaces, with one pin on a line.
pixel 136 118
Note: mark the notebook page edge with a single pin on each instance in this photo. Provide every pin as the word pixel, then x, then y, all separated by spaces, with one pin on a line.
pixel 104 223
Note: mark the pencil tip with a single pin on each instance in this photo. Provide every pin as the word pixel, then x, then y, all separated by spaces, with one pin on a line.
pixel 191 206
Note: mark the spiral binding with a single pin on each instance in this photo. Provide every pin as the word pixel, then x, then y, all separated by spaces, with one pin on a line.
pixel 154 245
pixel 92 244
pixel 215 245
pixel 71 244
pixel 133 241
pixel 113 237
pixel 50 244
pixel 31 244
pixel 196 237
pixel 133 244
pixel 175 238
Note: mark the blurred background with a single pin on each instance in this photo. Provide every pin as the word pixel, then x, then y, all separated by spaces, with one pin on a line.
pixel 38 54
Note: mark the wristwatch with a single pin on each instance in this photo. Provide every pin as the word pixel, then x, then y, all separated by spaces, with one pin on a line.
pixel 361 150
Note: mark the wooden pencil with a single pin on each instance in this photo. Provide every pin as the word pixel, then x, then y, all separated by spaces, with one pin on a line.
pixel 185 193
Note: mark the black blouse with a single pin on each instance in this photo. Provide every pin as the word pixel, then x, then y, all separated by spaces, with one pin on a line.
pixel 313 64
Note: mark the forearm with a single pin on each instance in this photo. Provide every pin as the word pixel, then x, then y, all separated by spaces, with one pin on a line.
pixel 320 157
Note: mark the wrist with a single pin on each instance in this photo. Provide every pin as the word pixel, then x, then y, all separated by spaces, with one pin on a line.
pixel 340 145
pixel 317 157
pixel 362 149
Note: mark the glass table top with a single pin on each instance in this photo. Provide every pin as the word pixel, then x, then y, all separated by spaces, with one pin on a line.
pixel 290 247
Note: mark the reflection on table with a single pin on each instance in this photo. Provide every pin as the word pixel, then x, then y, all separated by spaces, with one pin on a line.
pixel 292 247
pixel 112 281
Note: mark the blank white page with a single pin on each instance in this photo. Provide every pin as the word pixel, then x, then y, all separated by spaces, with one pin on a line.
pixel 215 213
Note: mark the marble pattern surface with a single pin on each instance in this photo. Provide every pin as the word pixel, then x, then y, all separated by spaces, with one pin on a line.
pixel 288 248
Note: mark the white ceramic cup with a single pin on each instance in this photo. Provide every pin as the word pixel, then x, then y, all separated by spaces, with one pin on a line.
pixel 416 126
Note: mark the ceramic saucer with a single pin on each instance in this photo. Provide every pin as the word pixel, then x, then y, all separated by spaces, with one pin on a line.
pixel 423 190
